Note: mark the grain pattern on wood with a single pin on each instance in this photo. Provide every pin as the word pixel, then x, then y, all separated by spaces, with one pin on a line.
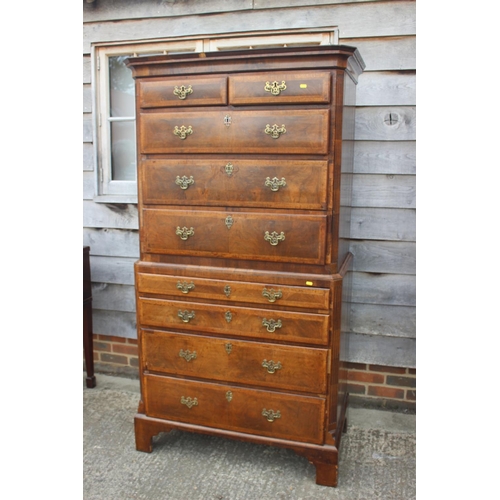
pixel 383 224
pixel 384 191
pixel 386 53
pixel 88 156
pixel 115 323
pixel 113 297
pixel 112 242
pixel 131 9
pixel 110 215
pixel 395 257
pixel 387 88
pixel 386 123
pixel 88 128
pixel 382 350
pixel 388 289
pixel 385 157
pixel 390 321
pixel 88 185
pixel 116 270
pixel 371 19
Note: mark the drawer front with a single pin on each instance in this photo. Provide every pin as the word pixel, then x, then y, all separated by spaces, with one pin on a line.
pixel 279 88
pixel 234 182
pixel 267 365
pixel 265 324
pixel 188 91
pixel 269 132
pixel 241 235
pixel 267 413
pixel 233 291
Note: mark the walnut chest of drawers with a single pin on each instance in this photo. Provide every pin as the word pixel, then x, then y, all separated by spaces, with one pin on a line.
pixel 244 174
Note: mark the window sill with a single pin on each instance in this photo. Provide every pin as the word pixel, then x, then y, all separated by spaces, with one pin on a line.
pixel 116 198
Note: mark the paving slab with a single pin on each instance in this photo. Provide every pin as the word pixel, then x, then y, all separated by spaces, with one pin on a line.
pixel 377 458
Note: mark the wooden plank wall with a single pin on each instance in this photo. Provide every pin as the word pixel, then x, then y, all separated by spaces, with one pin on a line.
pixel 383 224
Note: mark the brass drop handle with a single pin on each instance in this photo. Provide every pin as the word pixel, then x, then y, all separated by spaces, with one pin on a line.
pixel 184 182
pixel 274 184
pixel 271 324
pixel 189 402
pixel 187 355
pixel 186 316
pixel 274 238
pixel 271 366
pixel 182 91
pixel 275 88
pixel 184 233
pixel 182 132
pixel 271 415
pixel 271 295
pixel 185 287
pixel 275 131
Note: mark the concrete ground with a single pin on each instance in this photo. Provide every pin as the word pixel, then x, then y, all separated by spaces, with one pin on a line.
pixel 377 458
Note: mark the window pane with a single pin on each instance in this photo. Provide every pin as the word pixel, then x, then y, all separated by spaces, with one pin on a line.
pixel 121 88
pixel 123 151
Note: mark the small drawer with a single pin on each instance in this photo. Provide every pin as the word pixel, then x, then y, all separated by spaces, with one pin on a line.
pixel 261 131
pixel 289 368
pixel 240 235
pixel 280 88
pixel 188 91
pixel 298 184
pixel 246 322
pixel 266 413
pixel 233 291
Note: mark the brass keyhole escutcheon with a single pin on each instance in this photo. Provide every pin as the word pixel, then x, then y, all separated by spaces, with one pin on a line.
pixel 228 347
pixel 229 221
pixel 228 315
pixel 229 396
pixel 227 291
pixel 229 169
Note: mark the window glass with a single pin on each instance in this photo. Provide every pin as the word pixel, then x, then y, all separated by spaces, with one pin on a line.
pixel 121 88
pixel 123 150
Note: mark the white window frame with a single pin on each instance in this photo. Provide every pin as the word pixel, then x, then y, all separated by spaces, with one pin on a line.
pixel 119 191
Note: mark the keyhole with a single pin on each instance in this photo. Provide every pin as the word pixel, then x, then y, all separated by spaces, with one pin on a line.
pixel 391 119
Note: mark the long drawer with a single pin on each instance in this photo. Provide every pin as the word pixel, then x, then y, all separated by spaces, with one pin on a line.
pixel 267 413
pixel 259 131
pixel 233 291
pixel 299 184
pixel 243 235
pixel 289 368
pixel 236 321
